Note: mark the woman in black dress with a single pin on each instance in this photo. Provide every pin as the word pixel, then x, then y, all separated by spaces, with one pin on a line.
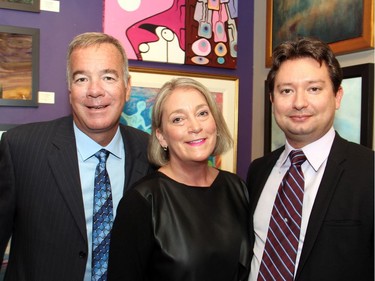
pixel 188 221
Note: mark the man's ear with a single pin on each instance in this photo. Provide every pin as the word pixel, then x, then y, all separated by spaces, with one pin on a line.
pixel 128 89
pixel 339 95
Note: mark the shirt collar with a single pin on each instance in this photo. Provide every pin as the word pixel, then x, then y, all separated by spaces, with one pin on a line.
pixel 87 147
pixel 316 152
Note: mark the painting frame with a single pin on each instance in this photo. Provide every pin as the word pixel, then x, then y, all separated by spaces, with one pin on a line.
pixel 33 7
pixel 225 84
pixel 34 34
pixel 273 136
pixel 361 43
pixel 366 73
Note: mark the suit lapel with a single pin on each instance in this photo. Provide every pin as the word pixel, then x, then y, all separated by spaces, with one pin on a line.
pixel 327 187
pixel 64 165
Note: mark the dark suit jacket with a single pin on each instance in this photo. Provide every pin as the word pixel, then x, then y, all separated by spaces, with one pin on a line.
pixel 41 203
pixel 339 242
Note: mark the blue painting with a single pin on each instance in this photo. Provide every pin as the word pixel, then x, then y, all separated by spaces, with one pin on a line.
pixel 138 110
pixel 348 117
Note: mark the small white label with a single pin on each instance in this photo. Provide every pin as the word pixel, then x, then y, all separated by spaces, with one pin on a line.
pixel 50 5
pixel 46 97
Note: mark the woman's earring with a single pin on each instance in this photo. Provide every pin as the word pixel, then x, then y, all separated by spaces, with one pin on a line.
pixel 165 148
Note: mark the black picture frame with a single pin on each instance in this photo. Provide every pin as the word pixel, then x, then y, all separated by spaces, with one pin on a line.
pixel 366 73
pixel 24 64
pixel 34 6
pixel 273 136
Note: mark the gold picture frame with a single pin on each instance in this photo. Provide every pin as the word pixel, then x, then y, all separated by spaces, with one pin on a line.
pixel 362 42
pixel 150 80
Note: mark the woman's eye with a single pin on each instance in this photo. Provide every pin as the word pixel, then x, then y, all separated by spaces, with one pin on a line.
pixel 203 113
pixel 176 120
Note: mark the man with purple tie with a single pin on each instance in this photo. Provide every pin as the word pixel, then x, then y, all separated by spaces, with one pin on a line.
pixel 318 224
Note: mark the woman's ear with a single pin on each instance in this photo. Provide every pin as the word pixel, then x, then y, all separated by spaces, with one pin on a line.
pixel 160 137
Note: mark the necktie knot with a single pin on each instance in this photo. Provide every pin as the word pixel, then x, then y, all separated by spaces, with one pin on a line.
pixel 102 155
pixel 297 157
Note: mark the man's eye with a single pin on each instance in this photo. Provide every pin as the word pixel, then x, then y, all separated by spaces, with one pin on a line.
pixel 314 89
pixel 285 91
pixel 109 78
pixel 80 80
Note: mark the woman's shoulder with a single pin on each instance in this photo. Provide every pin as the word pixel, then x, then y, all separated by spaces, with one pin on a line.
pixel 230 176
pixel 152 184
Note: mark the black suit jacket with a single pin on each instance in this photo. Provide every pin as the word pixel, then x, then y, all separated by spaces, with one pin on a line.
pixel 41 203
pixel 339 242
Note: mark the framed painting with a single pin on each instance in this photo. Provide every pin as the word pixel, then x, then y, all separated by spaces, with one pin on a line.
pixel 353 120
pixel 21 5
pixel 146 84
pixel 346 25
pixel 176 31
pixel 19 66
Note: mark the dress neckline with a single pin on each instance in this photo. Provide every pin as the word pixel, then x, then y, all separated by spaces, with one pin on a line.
pixel 191 186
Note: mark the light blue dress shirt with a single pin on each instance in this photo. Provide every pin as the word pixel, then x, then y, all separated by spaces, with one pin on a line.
pixel 87 162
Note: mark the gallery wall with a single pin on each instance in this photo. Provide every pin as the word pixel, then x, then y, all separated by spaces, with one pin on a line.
pixel 58 28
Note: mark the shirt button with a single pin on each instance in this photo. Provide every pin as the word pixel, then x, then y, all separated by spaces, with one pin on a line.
pixel 286 220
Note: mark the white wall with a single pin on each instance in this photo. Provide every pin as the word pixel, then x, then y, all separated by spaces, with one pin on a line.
pixel 260 74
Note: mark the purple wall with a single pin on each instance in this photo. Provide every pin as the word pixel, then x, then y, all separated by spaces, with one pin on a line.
pixel 77 16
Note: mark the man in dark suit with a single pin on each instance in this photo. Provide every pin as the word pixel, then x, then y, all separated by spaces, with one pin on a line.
pixel 335 218
pixel 47 169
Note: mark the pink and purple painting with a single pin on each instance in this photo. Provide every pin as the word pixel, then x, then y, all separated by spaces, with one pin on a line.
pixel 196 32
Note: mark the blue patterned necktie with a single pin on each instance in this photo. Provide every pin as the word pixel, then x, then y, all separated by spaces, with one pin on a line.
pixel 280 251
pixel 102 220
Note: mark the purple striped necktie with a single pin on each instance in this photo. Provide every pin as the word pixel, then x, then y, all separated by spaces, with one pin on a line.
pixel 280 252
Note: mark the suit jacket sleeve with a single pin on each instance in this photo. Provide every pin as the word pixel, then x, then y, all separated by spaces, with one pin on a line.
pixel 7 195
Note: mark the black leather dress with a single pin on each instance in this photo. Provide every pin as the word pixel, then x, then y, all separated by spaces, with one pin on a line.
pixel 168 231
